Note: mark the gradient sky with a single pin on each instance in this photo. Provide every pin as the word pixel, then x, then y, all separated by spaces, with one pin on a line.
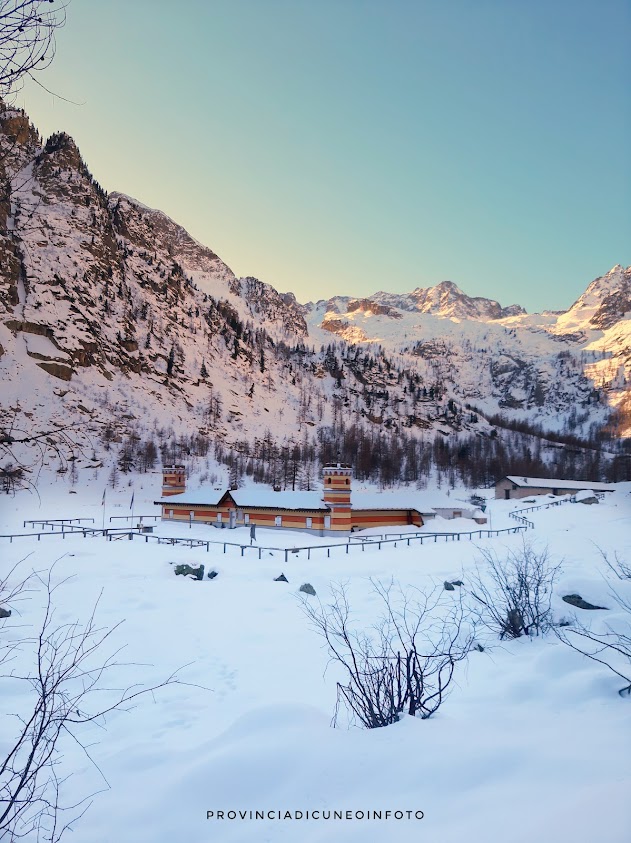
pixel 347 146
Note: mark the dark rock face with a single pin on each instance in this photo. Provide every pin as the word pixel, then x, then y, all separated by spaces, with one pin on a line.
pixel 307 588
pixel 282 578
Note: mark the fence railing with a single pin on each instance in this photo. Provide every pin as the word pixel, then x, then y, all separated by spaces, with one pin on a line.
pixel 122 533
pixel 421 538
pixel 518 517
pixel 528 524
pixel 53 522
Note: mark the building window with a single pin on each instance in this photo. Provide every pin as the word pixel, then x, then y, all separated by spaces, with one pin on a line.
pixel 278 521
pixel 219 518
pixel 170 513
pixel 327 522
pixel 328 479
pixel 246 518
pixel 308 523
pixel 191 514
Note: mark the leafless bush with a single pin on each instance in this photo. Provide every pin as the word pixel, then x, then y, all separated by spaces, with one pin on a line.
pixel 67 688
pixel 515 591
pixel 607 648
pixel 403 664
pixel 612 646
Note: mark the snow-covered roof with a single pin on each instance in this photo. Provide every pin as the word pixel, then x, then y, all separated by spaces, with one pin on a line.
pixel 278 500
pixel 422 502
pixel 551 483
pixel 265 498
pixel 250 497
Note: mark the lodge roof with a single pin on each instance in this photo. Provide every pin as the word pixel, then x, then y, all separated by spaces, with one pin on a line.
pixel 552 483
pixel 423 502
pixel 252 497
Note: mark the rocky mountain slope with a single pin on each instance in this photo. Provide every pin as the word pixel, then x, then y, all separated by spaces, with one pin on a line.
pixel 557 368
pixel 110 312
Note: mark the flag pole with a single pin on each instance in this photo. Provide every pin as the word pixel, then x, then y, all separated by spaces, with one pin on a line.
pixel 103 505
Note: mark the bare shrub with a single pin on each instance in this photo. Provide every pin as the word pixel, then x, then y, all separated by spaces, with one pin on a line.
pixel 404 663
pixel 67 688
pixel 610 647
pixel 515 591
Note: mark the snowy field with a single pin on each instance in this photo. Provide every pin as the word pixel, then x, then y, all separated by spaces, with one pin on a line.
pixel 532 743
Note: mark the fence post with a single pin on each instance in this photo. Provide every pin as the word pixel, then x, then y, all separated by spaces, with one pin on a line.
pixel 286 555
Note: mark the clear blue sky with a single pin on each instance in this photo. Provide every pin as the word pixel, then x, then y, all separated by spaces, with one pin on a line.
pixel 347 146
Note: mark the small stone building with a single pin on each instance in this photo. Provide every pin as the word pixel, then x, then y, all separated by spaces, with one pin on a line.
pixel 513 487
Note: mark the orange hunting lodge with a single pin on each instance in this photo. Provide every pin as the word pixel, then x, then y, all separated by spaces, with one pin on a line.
pixel 327 512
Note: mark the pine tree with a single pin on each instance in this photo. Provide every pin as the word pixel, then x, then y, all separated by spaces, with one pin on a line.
pixel 171 361
pixel 203 372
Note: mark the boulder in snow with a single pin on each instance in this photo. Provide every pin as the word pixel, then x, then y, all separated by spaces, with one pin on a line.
pixel 190 571
pixel 585 496
pixel 577 600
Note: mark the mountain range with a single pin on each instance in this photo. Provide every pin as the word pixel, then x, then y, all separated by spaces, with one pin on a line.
pixel 111 312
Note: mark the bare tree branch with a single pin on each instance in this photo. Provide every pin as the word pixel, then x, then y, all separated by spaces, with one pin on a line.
pixel 69 688
pixel 27 39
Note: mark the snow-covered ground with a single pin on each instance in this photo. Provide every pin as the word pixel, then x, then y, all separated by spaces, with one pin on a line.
pixel 532 743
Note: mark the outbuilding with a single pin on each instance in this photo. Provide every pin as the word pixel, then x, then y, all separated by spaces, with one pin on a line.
pixel 513 487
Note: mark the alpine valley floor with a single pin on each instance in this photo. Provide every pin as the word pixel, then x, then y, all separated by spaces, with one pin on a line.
pixel 532 743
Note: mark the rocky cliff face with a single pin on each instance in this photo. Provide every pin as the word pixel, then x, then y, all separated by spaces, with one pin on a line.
pixel 606 301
